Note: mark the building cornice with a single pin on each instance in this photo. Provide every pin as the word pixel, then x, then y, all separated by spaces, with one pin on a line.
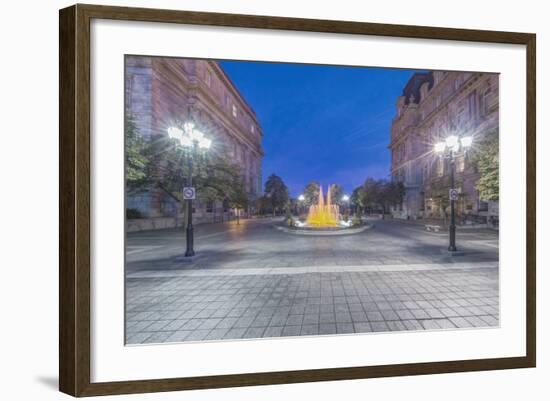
pixel 236 131
pixel 229 84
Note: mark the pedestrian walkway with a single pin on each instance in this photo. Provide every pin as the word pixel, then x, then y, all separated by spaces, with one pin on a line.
pixel 253 281
pixel 193 307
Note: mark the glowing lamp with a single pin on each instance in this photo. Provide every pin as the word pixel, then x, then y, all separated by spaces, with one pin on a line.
pixel 196 135
pixel 439 147
pixel 204 143
pixel 451 141
pixel 466 141
pixel 175 133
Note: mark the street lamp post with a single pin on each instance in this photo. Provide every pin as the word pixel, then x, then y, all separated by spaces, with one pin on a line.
pixel 450 149
pixel 191 139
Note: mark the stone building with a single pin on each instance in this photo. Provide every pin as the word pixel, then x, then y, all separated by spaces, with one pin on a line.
pixel 161 91
pixel 434 105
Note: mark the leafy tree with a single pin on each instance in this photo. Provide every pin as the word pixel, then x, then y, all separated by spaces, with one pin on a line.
pixel 439 192
pixel 311 194
pixel 263 205
pixel 238 198
pixel 377 195
pixel 336 193
pixel 357 200
pixel 371 194
pixel 214 177
pixel 485 159
pixel 277 193
pixel 391 194
pixel 136 160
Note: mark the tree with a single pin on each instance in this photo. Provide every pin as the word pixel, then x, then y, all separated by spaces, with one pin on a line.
pixel 378 194
pixel 357 198
pixel 336 193
pixel 263 205
pixel 136 160
pixel 371 194
pixel 485 159
pixel 311 194
pixel 238 198
pixel 167 168
pixel 439 192
pixel 391 194
pixel 277 193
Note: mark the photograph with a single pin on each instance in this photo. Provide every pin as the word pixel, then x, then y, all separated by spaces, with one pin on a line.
pixel 271 199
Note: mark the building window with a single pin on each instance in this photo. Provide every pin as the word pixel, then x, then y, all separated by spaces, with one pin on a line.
pixel 437 102
pixel 234 111
pixel 456 84
pixel 208 78
pixel 252 129
pixel 226 99
pixel 209 206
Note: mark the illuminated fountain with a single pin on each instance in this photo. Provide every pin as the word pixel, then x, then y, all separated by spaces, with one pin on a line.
pixel 323 219
pixel 324 215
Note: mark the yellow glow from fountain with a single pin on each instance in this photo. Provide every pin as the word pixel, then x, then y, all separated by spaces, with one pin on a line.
pixel 323 215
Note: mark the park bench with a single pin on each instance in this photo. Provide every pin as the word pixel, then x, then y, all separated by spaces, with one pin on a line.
pixel 433 227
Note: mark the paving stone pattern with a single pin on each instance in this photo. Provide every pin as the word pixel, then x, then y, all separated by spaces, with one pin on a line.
pixel 223 307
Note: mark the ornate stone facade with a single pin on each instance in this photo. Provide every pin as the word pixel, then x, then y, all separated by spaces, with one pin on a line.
pixel 434 105
pixel 162 90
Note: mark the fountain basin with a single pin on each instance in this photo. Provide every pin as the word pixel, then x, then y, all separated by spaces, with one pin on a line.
pixel 324 231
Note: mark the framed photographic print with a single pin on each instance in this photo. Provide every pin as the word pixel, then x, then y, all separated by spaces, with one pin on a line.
pixel 250 200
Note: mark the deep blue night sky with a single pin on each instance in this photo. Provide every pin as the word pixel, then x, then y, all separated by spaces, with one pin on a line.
pixel 324 123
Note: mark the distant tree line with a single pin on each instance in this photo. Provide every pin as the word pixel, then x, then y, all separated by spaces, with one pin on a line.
pixel 373 196
pixel 376 196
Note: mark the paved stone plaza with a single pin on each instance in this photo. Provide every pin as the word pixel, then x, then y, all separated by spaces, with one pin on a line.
pixel 251 281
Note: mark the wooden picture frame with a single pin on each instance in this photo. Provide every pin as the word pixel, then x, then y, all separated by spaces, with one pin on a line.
pixel 74 203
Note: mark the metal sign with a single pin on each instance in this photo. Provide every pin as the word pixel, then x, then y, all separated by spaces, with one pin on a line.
pixel 189 193
pixel 453 194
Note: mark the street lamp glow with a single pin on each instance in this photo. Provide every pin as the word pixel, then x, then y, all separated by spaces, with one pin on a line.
pixel 204 143
pixel 186 142
pixel 466 141
pixel 345 198
pixel 439 147
pixel 189 136
pixel 188 127
pixel 451 141
pixel 175 133
pixel 196 135
pixel 301 198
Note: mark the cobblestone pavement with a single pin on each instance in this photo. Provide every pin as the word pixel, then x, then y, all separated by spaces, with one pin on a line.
pixel 222 297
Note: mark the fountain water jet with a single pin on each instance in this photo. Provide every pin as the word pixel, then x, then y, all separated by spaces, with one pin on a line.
pixel 323 215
